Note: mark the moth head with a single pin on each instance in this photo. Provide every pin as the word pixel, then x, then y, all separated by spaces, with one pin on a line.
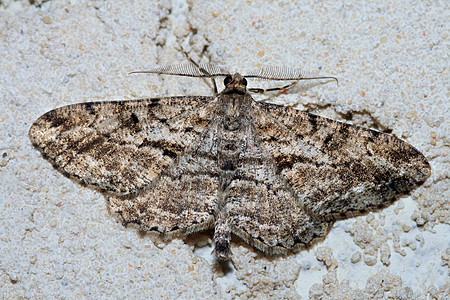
pixel 235 83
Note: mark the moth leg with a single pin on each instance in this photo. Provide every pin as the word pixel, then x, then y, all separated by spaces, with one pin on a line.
pixel 262 91
pixel 200 68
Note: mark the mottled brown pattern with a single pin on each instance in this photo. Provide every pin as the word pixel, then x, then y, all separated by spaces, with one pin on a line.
pixel 274 176
pixel 338 170
pixel 121 146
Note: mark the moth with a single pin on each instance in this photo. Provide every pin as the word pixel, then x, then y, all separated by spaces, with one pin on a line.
pixel 276 177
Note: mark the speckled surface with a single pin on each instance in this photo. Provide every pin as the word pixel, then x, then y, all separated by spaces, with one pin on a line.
pixel 58 239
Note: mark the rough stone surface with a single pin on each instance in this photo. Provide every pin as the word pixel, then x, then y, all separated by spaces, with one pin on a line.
pixel 59 241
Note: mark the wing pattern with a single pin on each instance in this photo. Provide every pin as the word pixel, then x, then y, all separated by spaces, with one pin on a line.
pixel 335 169
pixel 121 146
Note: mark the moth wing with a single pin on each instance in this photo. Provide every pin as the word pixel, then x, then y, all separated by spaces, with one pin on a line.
pixel 262 208
pixel 120 146
pixel 183 198
pixel 335 169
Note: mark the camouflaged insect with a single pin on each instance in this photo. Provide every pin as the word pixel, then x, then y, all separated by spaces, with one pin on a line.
pixel 276 177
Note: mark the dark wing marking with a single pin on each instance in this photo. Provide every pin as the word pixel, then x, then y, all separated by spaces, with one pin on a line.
pixel 120 146
pixel 335 169
pixel 263 208
pixel 183 198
